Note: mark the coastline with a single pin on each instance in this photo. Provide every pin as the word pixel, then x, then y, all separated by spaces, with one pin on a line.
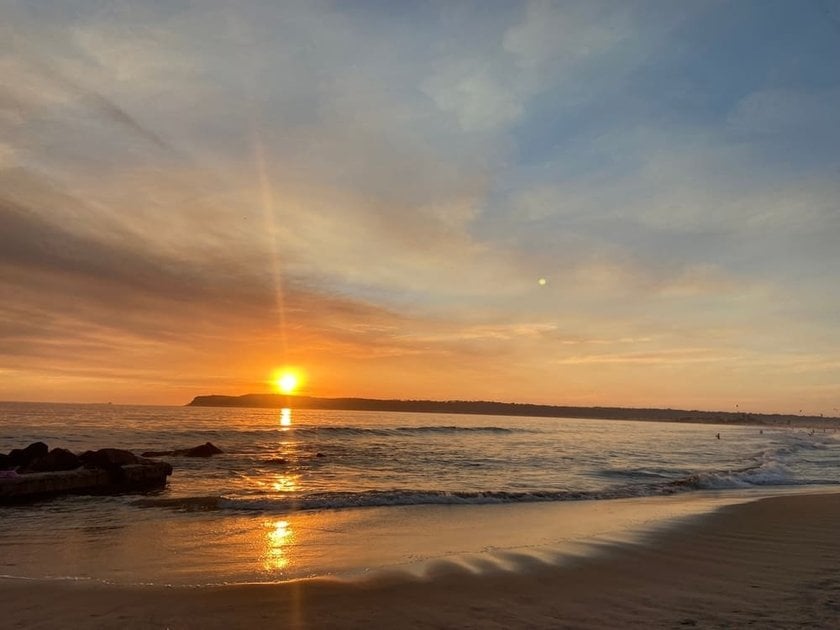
pixel 523 410
pixel 770 562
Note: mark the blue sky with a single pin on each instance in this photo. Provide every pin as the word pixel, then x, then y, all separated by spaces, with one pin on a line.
pixel 194 194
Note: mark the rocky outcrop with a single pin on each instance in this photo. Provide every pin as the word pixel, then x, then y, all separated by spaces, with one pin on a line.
pixel 203 450
pixel 108 457
pixel 22 457
pixel 56 460
pixel 37 472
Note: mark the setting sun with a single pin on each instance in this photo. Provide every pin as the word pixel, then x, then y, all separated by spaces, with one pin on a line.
pixel 287 382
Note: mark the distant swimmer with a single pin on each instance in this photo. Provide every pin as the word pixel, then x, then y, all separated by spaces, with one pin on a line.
pixel 718 436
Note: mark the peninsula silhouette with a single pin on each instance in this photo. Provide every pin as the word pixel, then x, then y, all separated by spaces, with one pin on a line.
pixel 481 407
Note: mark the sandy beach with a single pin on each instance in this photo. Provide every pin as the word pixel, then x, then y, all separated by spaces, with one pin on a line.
pixel 771 563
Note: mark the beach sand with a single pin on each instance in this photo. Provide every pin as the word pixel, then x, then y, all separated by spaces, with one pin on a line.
pixel 771 563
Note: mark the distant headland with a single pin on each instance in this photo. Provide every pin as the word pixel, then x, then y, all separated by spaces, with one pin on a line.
pixel 278 401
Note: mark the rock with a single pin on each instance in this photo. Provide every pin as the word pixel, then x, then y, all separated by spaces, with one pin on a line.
pixel 56 459
pixel 24 456
pixel 5 462
pixel 40 485
pixel 106 458
pixel 59 471
pixel 276 461
pixel 113 461
pixel 204 450
pixel 319 455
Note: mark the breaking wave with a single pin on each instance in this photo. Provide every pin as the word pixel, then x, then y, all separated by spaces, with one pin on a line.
pixel 403 431
pixel 351 431
pixel 779 463
pixel 767 474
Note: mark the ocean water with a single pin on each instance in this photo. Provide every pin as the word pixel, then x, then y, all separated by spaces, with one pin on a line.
pixel 303 493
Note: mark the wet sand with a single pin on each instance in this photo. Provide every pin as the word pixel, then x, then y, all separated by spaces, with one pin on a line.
pixel 772 563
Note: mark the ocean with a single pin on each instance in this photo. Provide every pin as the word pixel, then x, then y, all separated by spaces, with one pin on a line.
pixel 306 493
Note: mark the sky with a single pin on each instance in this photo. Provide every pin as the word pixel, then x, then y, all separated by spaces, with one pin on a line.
pixel 626 203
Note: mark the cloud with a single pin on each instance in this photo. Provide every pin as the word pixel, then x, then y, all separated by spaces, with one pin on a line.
pixel 352 187
pixel 489 90
pixel 478 99
pixel 779 111
pixel 676 356
pixel 551 35
pixel 348 181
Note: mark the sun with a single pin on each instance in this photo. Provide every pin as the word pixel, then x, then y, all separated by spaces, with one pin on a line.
pixel 287 381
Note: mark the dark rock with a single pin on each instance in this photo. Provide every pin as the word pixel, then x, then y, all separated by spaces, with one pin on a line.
pixel 5 462
pixel 56 459
pixel 36 449
pixel 319 455
pixel 276 461
pixel 204 450
pixel 113 461
pixel 40 485
pixel 107 458
pixel 59 472
pixel 25 456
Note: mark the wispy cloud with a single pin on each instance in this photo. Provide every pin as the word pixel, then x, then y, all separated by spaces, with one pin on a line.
pixel 191 197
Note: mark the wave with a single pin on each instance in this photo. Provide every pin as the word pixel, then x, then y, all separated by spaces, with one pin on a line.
pixel 401 431
pixel 344 500
pixel 339 431
pixel 762 475
pixel 771 473
pixel 49 578
pixel 775 465
pixel 635 473
pixel 183 504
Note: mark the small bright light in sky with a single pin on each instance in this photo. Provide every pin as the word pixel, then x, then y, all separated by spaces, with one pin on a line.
pixel 542 282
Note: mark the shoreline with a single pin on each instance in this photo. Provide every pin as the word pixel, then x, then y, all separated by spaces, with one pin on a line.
pixel 770 562
pixel 350 544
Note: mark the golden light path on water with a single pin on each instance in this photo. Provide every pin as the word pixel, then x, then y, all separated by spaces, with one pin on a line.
pixel 280 534
pixel 286 483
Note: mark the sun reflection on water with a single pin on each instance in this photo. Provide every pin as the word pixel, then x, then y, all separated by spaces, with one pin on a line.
pixel 279 536
pixel 286 483
pixel 285 417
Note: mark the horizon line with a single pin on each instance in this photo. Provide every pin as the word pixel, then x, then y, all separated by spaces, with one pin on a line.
pixel 421 400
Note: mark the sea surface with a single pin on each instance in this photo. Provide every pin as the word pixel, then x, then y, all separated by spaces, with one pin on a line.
pixel 306 493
